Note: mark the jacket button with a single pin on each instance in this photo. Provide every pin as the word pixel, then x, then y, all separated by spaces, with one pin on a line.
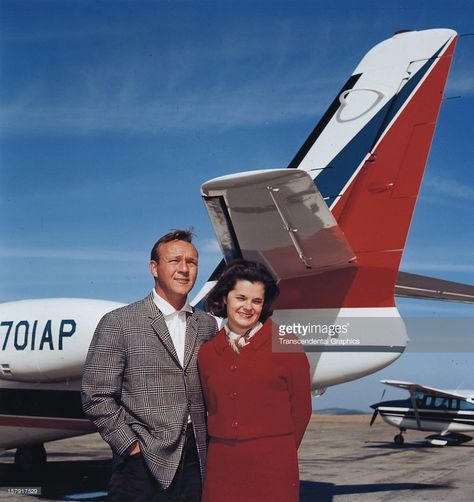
pixel 233 367
pixel 232 395
pixel 235 425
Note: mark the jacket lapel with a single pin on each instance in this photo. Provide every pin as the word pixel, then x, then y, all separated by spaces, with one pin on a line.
pixel 159 327
pixel 191 337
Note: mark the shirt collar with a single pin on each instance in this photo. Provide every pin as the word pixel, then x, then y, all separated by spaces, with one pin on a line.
pixel 166 308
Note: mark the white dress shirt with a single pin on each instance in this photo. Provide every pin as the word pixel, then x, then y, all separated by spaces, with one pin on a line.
pixel 175 322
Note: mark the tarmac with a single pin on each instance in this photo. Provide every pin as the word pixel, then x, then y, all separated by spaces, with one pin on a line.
pixel 341 459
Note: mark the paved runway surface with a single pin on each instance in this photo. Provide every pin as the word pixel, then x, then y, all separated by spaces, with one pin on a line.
pixel 341 459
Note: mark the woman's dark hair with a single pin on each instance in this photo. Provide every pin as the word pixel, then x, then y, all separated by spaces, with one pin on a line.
pixel 241 270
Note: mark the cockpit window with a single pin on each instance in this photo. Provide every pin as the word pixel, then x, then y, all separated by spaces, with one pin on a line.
pixel 466 406
pixel 441 403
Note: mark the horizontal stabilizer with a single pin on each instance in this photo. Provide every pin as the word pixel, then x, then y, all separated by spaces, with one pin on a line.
pixel 279 217
pixel 430 288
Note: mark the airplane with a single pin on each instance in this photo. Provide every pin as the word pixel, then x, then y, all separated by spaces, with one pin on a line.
pixel 449 413
pixel 331 227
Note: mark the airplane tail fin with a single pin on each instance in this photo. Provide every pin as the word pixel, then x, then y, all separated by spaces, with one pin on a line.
pixel 369 153
pixel 365 161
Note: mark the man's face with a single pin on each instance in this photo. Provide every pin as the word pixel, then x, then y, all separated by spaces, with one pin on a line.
pixel 175 272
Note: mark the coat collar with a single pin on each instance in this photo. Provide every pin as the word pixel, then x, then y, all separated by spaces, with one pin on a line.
pixel 158 324
pixel 192 326
pixel 168 309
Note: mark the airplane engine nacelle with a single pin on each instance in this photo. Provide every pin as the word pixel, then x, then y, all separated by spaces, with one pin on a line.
pixel 342 344
pixel 47 340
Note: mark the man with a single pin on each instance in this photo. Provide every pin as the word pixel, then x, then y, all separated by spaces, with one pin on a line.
pixel 141 385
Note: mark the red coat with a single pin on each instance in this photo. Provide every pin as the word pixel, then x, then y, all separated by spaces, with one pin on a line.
pixel 257 393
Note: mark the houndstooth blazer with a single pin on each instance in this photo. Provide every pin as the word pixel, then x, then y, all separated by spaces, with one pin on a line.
pixel 134 387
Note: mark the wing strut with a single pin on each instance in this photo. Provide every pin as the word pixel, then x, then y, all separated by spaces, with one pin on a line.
pixel 415 407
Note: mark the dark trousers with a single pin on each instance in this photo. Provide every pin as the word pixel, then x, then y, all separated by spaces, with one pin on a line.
pixel 131 480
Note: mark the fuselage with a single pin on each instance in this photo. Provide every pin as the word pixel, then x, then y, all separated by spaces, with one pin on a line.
pixel 45 342
pixel 438 415
pixel 43 347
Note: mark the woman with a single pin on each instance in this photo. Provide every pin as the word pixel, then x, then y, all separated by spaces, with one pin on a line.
pixel 258 400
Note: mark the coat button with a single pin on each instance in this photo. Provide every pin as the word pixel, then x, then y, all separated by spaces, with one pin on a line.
pixel 233 395
pixel 235 425
pixel 233 367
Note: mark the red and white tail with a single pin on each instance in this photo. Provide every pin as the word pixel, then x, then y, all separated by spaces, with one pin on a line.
pixel 333 225
pixel 333 228
pixel 384 126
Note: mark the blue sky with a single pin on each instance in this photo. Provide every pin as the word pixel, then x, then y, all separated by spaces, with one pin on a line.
pixel 112 114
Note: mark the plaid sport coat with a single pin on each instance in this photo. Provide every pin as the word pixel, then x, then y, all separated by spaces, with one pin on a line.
pixel 134 387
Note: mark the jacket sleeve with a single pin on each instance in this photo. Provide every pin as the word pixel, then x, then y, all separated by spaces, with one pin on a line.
pixel 102 385
pixel 300 393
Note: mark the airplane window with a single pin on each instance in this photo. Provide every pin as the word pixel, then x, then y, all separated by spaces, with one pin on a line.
pixel 419 399
pixel 441 403
pixel 429 403
pixel 454 404
pixel 464 405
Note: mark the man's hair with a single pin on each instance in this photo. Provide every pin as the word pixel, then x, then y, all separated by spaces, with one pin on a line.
pixel 175 235
pixel 241 270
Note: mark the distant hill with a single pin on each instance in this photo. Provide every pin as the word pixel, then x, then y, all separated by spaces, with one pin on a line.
pixel 339 411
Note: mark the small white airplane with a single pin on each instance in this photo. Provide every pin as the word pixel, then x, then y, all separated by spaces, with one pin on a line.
pixel 332 227
pixel 449 413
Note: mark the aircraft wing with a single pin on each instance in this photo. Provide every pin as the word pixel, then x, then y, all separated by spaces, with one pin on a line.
pixel 413 387
pixel 277 216
pixel 430 288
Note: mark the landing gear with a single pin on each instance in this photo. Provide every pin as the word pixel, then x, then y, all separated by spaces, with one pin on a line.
pixel 399 440
pixel 30 458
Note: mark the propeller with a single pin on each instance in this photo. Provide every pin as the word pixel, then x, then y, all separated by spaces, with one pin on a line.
pixel 376 409
pixel 374 416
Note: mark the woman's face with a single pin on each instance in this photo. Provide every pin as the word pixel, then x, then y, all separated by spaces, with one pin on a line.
pixel 244 305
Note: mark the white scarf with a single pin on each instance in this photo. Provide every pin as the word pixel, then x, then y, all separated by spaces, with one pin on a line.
pixel 237 341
